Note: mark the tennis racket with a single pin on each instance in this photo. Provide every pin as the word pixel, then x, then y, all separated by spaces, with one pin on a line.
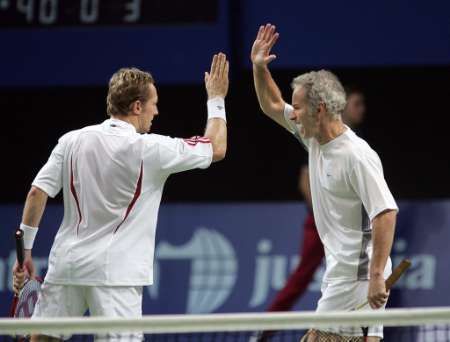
pixel 392 279
pixel 23 303
pixel 319 335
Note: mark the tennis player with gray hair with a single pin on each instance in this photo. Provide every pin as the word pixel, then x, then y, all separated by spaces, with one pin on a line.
pixel 112 176
pixel 354 209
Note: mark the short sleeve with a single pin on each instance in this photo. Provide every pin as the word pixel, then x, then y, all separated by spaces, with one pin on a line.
pixel 49 178
pixel 177 155
pixel 368 182
pixel 293 128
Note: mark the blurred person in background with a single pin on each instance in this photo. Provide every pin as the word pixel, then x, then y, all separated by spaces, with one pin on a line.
pixel 355 108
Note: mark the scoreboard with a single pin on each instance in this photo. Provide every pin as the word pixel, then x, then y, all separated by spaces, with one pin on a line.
pixel 51 13
pixel 83 42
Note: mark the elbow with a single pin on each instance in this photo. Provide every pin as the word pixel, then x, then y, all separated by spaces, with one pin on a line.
pixel 219 153
pixel 272 108
pixel 266 109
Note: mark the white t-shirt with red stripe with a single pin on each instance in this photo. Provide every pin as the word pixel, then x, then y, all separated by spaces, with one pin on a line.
pixel 112 180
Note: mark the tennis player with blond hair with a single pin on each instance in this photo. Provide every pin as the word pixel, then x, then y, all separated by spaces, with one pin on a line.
pixel 112 176
pixel 354 209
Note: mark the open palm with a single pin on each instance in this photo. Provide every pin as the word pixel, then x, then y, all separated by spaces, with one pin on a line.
pixel 265 40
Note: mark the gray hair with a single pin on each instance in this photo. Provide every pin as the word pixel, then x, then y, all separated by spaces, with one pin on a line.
pixel 322 87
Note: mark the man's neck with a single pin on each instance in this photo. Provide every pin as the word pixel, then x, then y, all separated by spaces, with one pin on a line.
pixel 131 119
pixel 330 130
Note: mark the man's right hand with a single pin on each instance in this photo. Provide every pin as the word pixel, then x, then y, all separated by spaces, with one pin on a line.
pixel 20 275
pixel 265 40
pixel 216 81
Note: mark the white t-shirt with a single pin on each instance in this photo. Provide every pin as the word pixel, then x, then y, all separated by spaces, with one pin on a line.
pixel 112 180
pixel 348 190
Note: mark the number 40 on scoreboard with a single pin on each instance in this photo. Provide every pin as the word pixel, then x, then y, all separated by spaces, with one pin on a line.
pixel 48 13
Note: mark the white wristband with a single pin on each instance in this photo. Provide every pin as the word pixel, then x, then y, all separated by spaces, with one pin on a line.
pixel 216 108
pixel 29 233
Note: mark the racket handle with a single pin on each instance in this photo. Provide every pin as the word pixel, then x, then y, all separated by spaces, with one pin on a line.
pixel 397 273
pixel 20 250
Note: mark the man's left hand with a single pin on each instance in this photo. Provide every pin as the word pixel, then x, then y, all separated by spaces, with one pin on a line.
pixel 377 295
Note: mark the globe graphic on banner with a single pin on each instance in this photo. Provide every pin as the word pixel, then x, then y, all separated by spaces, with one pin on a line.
pixel 213 268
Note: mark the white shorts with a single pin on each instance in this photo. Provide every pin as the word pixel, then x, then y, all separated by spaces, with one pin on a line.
pixel 107 301
pixel 346 297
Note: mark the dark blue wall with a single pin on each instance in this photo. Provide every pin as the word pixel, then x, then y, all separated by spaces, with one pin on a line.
pixel 313 33
pixel 354 33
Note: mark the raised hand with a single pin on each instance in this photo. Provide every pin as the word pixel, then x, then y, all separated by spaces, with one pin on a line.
pixel 216 81
pixel 265 40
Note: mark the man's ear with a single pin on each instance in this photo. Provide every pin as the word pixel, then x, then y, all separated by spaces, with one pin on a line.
pixel 136 107
pixel 322 107
pixel 321 110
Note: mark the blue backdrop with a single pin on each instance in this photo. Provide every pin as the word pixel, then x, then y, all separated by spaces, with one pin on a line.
pixel 234 257
pixel 324 33
pixel 354 33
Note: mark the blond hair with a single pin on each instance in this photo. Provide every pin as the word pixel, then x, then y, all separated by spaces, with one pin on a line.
pixel 126 86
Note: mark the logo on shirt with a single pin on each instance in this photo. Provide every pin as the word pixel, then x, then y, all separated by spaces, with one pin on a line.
pixel 219 107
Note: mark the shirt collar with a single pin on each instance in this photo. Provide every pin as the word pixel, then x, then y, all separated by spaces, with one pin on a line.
pixel 119 124
pixel 336 140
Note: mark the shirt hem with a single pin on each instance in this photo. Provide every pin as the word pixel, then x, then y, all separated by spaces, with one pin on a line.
pixel 99 283
pixel 380 210
pixel 44 188
pixel 209 160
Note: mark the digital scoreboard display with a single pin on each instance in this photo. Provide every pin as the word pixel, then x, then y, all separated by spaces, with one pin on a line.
pixel 83 42
pixel 59 13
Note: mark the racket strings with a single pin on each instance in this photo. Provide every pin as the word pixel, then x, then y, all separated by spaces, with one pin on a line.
pixel 27 299
pixel 324 336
